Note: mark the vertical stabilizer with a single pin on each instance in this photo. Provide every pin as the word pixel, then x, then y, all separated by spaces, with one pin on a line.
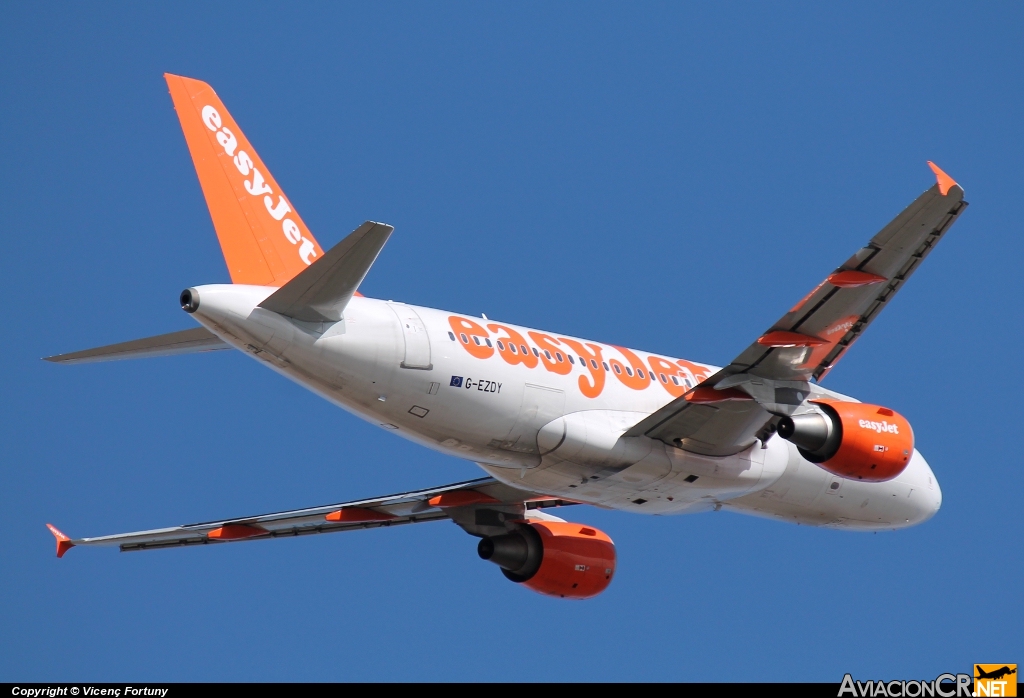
pixel 263 239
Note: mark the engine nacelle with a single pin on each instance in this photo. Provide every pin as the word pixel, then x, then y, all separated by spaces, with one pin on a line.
pixel 557 558
pixel 852 439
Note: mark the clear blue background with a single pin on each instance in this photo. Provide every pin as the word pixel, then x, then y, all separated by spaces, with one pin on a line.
pixel 664 176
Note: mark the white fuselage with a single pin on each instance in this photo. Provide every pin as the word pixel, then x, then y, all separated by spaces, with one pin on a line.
pixel 554 427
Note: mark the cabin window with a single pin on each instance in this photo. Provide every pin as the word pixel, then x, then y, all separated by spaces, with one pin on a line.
pixel 675 380
pixel 452 335
pixel 605 364
pixel 488 343
pixel 688 382
pixel 594 364
pixel 476 339
pixel 629 371
pixel 512 347
pixel 617 369
pixel 535 352
pixel 571 360
pixel 523 347
pixel 559 357
pixel 663 378
pixel 465 339
pixel 501 346
pixel 640 372
pixel 547 354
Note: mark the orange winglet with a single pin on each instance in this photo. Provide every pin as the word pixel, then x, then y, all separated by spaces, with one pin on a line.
pixel 460 498
pixel 356 515
pixel 705 393
pixel 854 279
pixel 236 532
pixel 64 543
pixel 789 339
pixel 945 182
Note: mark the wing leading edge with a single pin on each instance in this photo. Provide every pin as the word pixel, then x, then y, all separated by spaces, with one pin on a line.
pixel 481 507
pixel 772 376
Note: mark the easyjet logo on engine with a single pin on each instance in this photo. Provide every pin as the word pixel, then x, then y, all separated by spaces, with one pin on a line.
pixel 880 427
pixel 258 186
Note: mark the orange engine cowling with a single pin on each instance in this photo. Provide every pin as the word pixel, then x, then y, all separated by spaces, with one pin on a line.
pixel 852 439
pixel 557 558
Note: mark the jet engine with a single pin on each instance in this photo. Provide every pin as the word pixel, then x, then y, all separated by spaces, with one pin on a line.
pixel 852 439
pixel 554 557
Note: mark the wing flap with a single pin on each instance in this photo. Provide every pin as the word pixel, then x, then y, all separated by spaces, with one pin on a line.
pixel 191 341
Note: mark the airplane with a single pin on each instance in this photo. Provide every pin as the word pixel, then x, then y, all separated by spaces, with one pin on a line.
pixel 995 674
pixel 553 420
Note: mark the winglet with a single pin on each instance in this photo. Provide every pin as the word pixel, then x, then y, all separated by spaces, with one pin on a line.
pixel 944 180
pixel 64 543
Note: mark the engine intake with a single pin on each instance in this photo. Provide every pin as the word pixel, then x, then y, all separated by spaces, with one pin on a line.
pixel 556 558
pixel 854 440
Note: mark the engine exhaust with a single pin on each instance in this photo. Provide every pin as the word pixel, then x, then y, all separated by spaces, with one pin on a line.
pixel 518 554
pixel 189 300
pixel 817 435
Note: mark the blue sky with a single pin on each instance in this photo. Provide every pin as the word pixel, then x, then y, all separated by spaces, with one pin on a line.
pixel 664 176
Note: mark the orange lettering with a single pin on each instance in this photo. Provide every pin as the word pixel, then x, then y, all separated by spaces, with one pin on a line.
pixel 594 363
pixel 664 371
pixel 550 350
pixel 629 376
pixel 694 373
pixel 472 336
pixel 515 349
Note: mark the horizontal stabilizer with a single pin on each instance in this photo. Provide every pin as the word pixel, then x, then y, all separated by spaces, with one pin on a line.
pixel 184 342
pixel 321 292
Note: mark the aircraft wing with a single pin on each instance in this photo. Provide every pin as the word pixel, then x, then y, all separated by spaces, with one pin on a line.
pixel 481 507
pixel 772 376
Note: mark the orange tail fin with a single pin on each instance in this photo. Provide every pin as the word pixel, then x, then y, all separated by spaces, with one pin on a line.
pixel 263 239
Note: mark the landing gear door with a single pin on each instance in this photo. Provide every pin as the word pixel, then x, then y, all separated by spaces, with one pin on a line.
pixel 417 342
